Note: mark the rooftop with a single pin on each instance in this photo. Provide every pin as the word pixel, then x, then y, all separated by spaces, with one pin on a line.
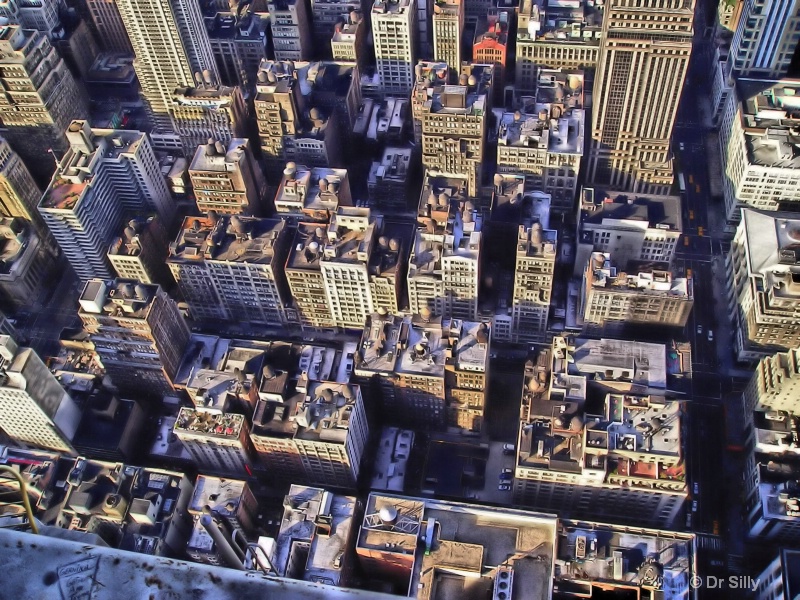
pixel 592 557
pixel 346 31
pixel 130 242
pixel 78 166
pixel 562 21
pixel 324 415
pixel 469 97
pixel 463 551
pixel 214 157
pixel 119 298
pixel 315 193
pixel 392 7
pixel 211 424
pixel 619 209
pixel 543 126
pixel 492 29
pixel 644 278
pixel 393 166
pixel 391 459
pixel 15 236
pixel 319 77
pixel 224 238
pixel 320 522
pixel 770 119
pixel 350 236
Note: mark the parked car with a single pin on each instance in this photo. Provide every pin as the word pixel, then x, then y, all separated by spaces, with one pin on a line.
pixel 506 476
pixel 699 330
pixel 509 449
pixel 507 470
pixel 710 336
pixel 504 487
pixel 694 505
pixel 696 489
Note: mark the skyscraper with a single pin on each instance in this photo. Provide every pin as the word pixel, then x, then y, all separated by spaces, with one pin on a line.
pixel 19 194
pixel 171 44
pixel 103 175
pixel 394 31
pixel 766 38
pixel 109 26
pixel 138 332
pixel 34 408
pixel 291 29
pixel 644 56
pixel 448 25
pixel 40 99
pixel 452 120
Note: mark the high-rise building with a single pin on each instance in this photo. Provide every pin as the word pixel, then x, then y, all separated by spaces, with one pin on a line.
pixel 640 75
pixel 141 251
pixel 758 146
pixel 388 179
pixel 545 139
pixel 25 263
pixel 635 227
pixel 556 36
pixel 490 47
pixel 645 294
pixel 776 581
pixel 171 44
pixel 304 274
pixel 231 268
pixel 771 408
pixel 312 194
pixel 38 15
pixel 108 25
pixel 388 266
pixel 105 174
pixel 627 452
pixel 444 267
pixel 394 33
pixel 138 333
pixel 227 179
pixel 239 45
pixel 218 442
pixel 763 267
pixel 301 108
pixel 19 193
pixel 346 254
pixel 291 29
pixel 208 111
pixel 323 429
pixel 448 26
pixel 41 97
pixel 766 38
pixel 34 408
pixel 327 15
pixel 349 39
pixel 452 120
pixel 432 373
pixel 535 263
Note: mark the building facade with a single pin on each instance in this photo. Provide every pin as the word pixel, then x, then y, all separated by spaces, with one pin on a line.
pixel 611 300
pixel 447 27
pixel 291 29
pixel 452 120
pixel 170 42
pixel 138 333
pixel 765 40
pixel 105 175
pixel 42 97
pixel 227 180
pixel 641 70
pixel 231 268
pixel 394 33
pixel 764 284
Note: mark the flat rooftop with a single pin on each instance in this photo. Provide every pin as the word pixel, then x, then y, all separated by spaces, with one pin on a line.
pixel 467 99
pixel 542 126
pixel 210 424
pixel 226 238
pixel 616 559
pixel 612 208
pixel 466 551
pixel 770 118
